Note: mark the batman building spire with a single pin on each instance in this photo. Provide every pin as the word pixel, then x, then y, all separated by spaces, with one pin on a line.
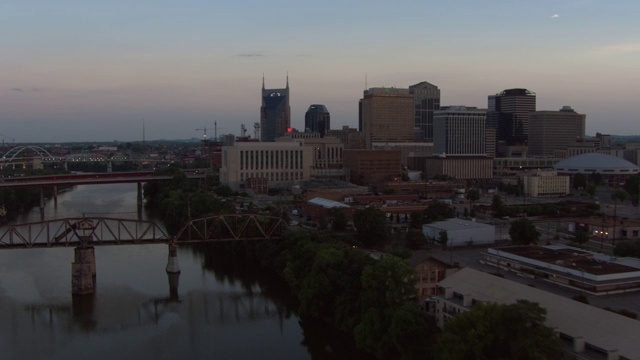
pixel 275 112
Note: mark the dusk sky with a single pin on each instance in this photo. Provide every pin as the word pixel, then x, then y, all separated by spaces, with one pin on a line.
pixel 74 70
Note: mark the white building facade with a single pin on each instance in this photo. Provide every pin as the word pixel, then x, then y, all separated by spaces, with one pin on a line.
pixel 280 163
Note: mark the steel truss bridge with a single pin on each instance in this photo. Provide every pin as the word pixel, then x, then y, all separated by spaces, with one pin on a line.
pixel 94 231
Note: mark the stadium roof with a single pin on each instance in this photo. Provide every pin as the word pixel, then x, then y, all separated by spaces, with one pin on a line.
pixel 596 163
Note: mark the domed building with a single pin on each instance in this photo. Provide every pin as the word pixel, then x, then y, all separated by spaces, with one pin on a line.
pixel 604 164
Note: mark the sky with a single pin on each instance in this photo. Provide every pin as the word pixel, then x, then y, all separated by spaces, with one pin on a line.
pixel 78 70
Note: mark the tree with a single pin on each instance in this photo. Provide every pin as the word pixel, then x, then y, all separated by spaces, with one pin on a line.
pixel 415 220
pixel 372 227
pixel 495 331
pixel 582 236
pixel 443 238
pixel 339 219
pixel 591 190
pixel 497 206
pixel 579 181
pixel 415 239
pixel 523 232
pixel 439 211
pixel 392 325
pixel 632 187
pixel 473 195
pixel 618 195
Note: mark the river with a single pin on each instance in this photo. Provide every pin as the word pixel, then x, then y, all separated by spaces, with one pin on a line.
pixel 221 308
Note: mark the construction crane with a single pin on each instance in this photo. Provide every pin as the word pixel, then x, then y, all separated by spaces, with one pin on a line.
pixel 204 129
pixel 13 140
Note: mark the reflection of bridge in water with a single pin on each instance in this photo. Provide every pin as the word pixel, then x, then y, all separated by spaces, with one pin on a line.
pixel 205 307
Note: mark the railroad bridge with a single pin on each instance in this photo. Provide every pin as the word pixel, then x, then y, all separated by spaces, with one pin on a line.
pixel 85 233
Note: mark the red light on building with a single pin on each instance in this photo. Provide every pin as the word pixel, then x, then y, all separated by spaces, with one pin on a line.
pixel 289 130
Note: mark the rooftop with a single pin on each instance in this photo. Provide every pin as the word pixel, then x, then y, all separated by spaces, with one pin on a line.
pixel 571 258
pixel 598 327
pixel 455 224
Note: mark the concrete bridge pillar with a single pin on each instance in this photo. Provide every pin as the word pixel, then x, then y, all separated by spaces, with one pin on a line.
pixel 55 197
pixel 65 165
pixel 109 167
pixel 140 194
pixel 41 198
pixel 172 263
pixel 174 281
pixel 83 271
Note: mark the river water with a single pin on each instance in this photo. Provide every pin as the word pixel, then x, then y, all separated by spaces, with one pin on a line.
pixel 223 308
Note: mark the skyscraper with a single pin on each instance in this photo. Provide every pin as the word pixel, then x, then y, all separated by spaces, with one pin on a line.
pixel 275 112
pixel 509 114
pixel 317 119
pixel 459 130
pixel 554 130
pixel 387 115
pixel 427 99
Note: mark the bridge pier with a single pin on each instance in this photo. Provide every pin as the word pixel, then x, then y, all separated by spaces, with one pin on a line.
pixel 174 281
pixel 172 262
pixel 139 194
pixel 83 271
pixel 109 167
pixel 41 198
pixel 55 197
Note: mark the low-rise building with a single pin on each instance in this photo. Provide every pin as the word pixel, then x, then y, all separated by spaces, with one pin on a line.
pixel 429 272
pixel 546 184
pixel 587 332
pixel 461 232
pixel 591 272
pixel 281 164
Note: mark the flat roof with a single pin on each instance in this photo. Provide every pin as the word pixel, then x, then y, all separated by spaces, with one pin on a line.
pixel 569 257
pixel 456 224
pixel 326 203
pixel 605 329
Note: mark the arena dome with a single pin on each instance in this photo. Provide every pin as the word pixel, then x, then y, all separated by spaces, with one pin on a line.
pixel 596 163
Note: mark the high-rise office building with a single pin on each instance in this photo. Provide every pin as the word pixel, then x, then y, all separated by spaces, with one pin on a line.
pixel 275 112
pixel 508 113
pixel 427 100
pixel 317 119
pixel 459 131
pixel 550 131
pixel 387 115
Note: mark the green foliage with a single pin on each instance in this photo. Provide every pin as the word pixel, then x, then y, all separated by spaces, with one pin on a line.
pixel 339 219
pixel 619 195
pixel 415 239
pixel 371 299
pixel 631 249
pixel 224 191
pixel 390 320
pixel 591 189
pixel 523 232
pixel 579 181
pixel 443 238
pixel 415 220
pixel 632 187
pixel 582 236
pixel 439 211
pixel 497 206
pixel 493 331
pixel 372 227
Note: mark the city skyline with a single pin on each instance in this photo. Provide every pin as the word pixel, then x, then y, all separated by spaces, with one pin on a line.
pixel 97 71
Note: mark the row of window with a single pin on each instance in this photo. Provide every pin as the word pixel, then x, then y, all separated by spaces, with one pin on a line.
pixel 272 176
pixel 270 159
